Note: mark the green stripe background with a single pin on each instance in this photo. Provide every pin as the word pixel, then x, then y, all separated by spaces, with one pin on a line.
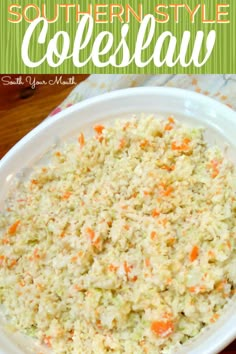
pixel 222 59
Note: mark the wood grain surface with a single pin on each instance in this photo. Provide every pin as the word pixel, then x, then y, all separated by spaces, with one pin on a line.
pixel 23 108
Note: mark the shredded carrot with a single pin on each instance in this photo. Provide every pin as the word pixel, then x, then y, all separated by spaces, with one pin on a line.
pixel 99 324
pixel 13 228
pixel 186 140
pixel 58 154
pixel 134 278
pixel 13 263
pixel 91 233
pixel 77 287
pixel 98 129
pixel 192 289
pixel 122 143
pixel 167 191
pixel 211 254
pixel 144 143
pixel 153 235
pixel 74 259
pixel 215 173
pixel 214 318
pixel 134 195
pixel 113 268
pixel 22 283
pixel 100 138
pixel 2 259
pixel 146 193
pixel 126 227
pixel 47 341
pixel 63 233
pixel 162 328
pixel 81 140
pixel 168 168
pixel 35 255
pixel 168 127
pixel 147 262
pixel 213 165
pixel 171 120
pixel 66 195
pixel 163 221
pixel 155 213
pixel 5 241
pixel 228 243
pixel 184 146
pixel 127 268
pixel 44 169
pixel 194 253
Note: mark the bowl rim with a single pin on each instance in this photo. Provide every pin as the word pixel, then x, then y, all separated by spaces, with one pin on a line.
pixel 160 90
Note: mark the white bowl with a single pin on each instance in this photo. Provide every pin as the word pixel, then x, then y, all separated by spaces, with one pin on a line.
pixel 189 107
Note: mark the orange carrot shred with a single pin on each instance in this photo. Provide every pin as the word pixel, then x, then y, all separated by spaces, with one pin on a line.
pixel 194 253
pixel 181 147
pixel 186 140
pixel 2 258
pixel 112 268
pixel 166 192
pixel 63 233
pixel 47 341
pixel 81 140
pixel 168 127
pixel 162 328
pixel 127 268
pixel 147 262
pixel 171 120
pixel 168 168
pixel 155 213
pixel 122 143
pixel 144 143
pixel 153 235
pixel 98 129
pixel 13 228
pixel 66 195
pixel 13 263
pixel 91 233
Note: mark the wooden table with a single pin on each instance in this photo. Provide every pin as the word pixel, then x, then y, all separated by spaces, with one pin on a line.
pixel 22 108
